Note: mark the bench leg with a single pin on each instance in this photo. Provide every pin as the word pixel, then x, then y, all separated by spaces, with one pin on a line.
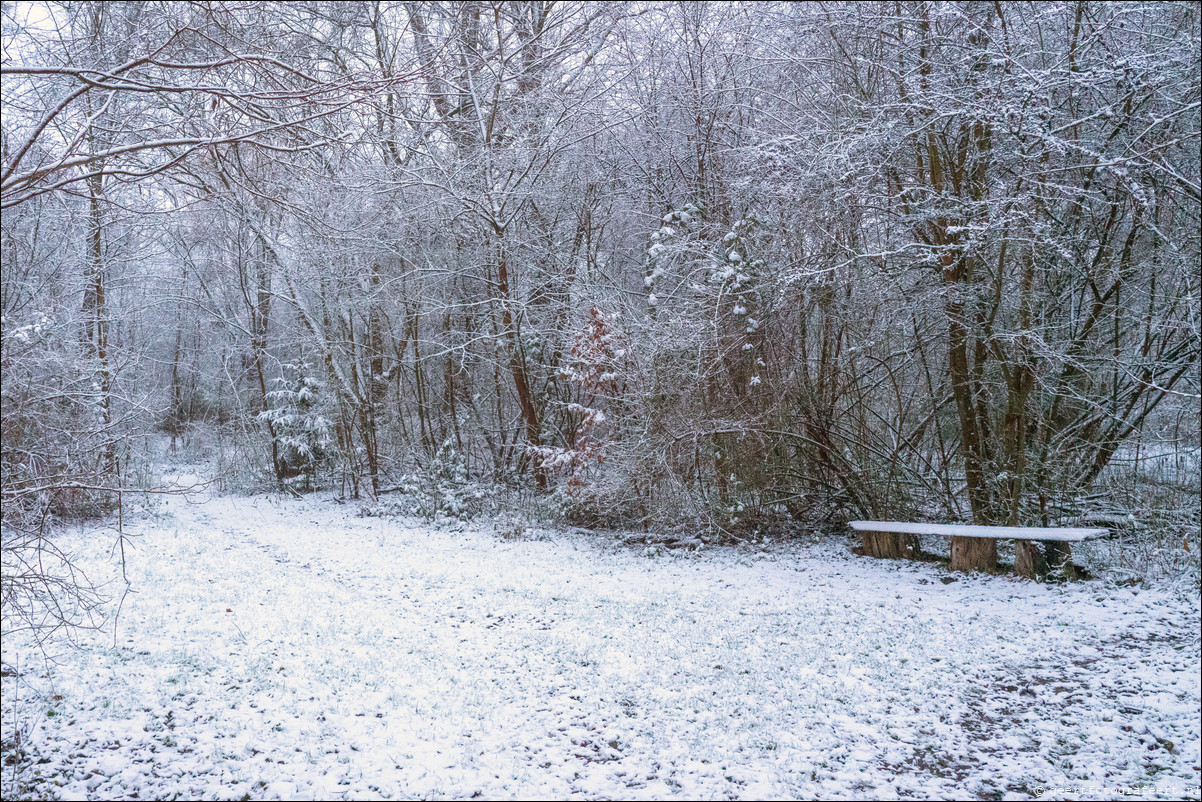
pixel 1060 557
pixel 974 554
pixel 889 545
pixel 1029 561
pixel 1037 560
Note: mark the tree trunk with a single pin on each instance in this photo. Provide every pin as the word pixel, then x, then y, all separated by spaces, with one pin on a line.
pixel 377 382
pixel 175 421
pixel 517 360
pixel 260 314
pixel 97 318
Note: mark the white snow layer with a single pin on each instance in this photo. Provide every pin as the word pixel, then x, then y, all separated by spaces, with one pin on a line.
pixel 290 650
pixel 1062 533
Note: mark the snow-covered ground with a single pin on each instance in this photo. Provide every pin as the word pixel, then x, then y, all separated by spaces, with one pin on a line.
pixel 290 649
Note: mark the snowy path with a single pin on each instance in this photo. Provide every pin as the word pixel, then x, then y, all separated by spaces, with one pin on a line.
pixel 292 650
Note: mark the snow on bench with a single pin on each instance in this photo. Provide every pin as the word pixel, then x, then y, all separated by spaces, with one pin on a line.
pixel 968 530
pixel 974 548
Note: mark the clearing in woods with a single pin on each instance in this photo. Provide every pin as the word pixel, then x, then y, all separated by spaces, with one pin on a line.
pixel 290 649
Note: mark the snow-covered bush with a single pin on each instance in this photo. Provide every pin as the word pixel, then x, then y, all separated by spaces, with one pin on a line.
pixel 441 492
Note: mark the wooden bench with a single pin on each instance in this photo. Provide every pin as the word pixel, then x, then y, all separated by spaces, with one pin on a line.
pixel 1037 549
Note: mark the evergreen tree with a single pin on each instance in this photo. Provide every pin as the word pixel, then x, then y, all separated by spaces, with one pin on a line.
pixel 302 433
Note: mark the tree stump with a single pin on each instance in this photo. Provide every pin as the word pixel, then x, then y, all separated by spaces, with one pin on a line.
pixel 974 554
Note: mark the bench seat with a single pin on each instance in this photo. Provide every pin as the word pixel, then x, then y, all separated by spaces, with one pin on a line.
pixel 968 530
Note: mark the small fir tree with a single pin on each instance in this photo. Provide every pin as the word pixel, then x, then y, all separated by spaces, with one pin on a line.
pixel 302 434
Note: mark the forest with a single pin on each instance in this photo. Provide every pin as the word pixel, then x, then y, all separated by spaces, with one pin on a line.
pixel 727 269
pixel 470 399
